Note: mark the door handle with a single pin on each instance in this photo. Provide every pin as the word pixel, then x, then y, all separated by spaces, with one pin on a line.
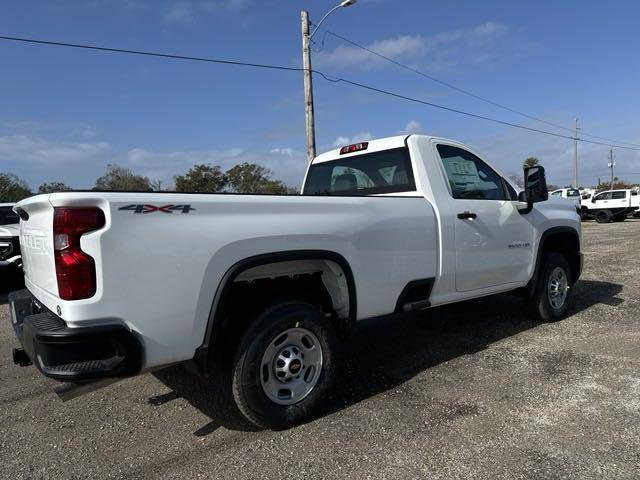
pixel 465 215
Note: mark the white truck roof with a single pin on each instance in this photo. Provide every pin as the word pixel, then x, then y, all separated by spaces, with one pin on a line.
pixel 375 146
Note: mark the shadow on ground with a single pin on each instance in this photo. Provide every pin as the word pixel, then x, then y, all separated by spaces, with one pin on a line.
pixel 387 352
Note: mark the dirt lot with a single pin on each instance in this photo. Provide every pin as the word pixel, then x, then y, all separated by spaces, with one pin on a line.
pixel 476 390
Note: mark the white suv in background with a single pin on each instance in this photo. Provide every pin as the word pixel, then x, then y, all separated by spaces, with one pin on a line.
pixel 610 205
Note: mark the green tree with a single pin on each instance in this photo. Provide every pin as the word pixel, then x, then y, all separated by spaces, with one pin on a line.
pixel 531 162
pixel 12 188
pixel 121 178
pixel 253 178
pixel 617 185
pixel 53 187
pixel 201 178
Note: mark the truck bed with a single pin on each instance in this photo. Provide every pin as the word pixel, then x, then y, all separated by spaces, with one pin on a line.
pixel 161 256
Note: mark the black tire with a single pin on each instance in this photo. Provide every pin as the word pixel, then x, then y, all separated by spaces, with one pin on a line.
pixel 604 216
pixel 541 302
pixel 583 215
pixel 247 369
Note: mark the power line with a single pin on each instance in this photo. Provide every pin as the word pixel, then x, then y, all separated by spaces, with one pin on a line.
pixel 469 114
pixel 299 69
pixel 463 91
pixel 152 54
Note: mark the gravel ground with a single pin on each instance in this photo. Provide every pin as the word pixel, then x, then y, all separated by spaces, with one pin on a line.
pixel 475 390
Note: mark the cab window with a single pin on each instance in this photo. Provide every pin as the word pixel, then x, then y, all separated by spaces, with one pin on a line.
pixel 387 171
pixel 469 177
pixel 603 196
pixel 618 195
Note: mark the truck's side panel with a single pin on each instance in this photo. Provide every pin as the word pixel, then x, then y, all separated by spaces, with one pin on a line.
pixel 158 272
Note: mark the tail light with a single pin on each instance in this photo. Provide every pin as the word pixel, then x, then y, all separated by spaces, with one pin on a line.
pixel 356 147
pixel 75 270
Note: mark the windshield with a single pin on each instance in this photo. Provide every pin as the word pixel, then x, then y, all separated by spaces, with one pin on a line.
pixel 387 171
pixel 8 216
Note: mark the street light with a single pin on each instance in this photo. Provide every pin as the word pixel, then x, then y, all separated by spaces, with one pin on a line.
pixel 345 4
pixel 308 82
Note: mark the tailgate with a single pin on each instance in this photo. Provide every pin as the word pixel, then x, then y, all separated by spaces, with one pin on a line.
pixel 36 243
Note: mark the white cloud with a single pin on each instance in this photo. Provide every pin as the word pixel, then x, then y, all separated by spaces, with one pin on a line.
pixel 42 152
pixel 508 151
pixel 185 11
pixel 413 126
pixel 289 152
pixel 287 164
pixel 358 137
pixel 213 5
pixel 181 12
pixel 439 51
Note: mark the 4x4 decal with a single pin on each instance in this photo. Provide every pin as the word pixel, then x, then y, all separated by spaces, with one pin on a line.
pixel 153 208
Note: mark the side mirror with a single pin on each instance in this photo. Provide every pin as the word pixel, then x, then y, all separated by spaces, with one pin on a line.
pixel 535 184
pixel 593 199
pixel 535 188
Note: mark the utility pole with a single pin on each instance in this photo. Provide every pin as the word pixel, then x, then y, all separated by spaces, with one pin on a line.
pixel 611 164
pixel 308 88
pixel 575 153
pixel 308 79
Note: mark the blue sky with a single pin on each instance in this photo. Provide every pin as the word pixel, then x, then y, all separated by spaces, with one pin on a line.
pixel 65 114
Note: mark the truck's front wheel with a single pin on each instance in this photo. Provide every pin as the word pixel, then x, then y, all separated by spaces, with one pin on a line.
pixel 551 300
pixel 604 216
pixel 284 365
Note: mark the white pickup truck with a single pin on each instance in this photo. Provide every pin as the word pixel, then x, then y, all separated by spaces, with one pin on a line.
pixel 610 205
pixel 265 286
pixel 572 194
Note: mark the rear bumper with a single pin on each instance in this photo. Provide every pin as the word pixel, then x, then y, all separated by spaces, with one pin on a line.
pixel 72 354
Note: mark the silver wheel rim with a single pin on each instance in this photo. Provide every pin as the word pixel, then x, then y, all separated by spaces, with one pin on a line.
pixel 558 287
pixel 291 366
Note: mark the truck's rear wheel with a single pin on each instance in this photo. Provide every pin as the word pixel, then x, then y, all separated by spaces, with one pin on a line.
pixel 284 365
pixel 551 300
pixel 604 216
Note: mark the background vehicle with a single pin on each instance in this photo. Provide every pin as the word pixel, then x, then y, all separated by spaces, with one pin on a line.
pixel 609 206
pixel 635 203
pixel 10 258
pixel 264 286
pixel 572 194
